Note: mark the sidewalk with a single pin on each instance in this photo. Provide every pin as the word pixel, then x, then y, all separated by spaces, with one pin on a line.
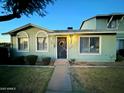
pixel 60 81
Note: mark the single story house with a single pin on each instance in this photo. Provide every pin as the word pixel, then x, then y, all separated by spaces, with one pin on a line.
pixel 97 40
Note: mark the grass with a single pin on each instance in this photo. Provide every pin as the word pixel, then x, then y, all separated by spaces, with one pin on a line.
pixel 25 79
pixel 98 63
pixel 98 80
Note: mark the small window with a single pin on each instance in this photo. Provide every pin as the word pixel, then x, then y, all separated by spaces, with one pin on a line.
pixel 89 44
pixel 42 43
pixel 112 24
pixel 23 43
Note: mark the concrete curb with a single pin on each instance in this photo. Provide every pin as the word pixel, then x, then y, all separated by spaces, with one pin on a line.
pixel 96 66
pixel 26 66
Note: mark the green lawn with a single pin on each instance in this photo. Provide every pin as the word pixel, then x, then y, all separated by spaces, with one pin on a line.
pixel 98 80
pixel 25 79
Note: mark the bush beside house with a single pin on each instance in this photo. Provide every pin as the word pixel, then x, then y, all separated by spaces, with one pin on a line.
pixel 4 55
pixel 120 55
pixel 31 59
pixel 46 60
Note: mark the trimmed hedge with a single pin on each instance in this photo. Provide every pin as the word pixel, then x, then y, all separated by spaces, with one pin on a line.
pixel 46 60
pixel 18 61
pixel 120 52
pixel 31 59
pixel 4 57
pixel 24 60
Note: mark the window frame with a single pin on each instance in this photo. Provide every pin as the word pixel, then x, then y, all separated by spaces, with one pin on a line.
pixel 115 28
pixel 90 53
pixel 36 43
pixel 17 43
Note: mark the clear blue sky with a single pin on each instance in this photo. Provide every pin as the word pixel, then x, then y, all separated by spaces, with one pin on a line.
pixel 65 13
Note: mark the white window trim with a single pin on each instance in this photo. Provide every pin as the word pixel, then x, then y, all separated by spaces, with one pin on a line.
pixel 17 47
pixel 120 38
pixel 57 45
pixel 90 53
pixel 36 42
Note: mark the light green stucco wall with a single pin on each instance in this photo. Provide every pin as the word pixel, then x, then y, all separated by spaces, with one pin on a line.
pixel 108 48
pixel 32 45
pixel 121 25
pixel 101 23
pixel 89 24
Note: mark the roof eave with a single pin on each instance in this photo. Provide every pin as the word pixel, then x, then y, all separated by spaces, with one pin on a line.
pixel 25 26
pixel 71 33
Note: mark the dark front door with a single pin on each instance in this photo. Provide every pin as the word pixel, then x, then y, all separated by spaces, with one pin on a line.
pixel 61 47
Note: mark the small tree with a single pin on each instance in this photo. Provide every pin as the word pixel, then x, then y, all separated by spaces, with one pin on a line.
pixel 16 8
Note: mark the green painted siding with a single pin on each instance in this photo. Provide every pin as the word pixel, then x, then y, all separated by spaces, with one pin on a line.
pixel 121 26
pixel 108 50
pixel 89 24
pixel 101 24
pixel 32 45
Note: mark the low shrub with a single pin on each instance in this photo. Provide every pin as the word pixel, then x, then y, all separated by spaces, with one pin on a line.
pixel 46 60
pixel 120 58
pixel 120 52
pixel 31 59
pixel 52 61
pixel 18 60
pixel 4 55
pixel 71 61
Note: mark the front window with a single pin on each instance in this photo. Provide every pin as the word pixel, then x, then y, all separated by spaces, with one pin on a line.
pixel 89 44
pixel 22 43
pixel 42 43
pixel 112 24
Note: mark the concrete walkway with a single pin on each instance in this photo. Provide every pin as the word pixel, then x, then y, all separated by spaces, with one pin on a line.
pixel 60 81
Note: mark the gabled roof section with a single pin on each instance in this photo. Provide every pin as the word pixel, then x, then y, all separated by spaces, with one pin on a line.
pixel 25 27
pixel 103 16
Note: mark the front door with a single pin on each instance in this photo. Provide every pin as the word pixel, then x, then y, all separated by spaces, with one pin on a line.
pixel 61 47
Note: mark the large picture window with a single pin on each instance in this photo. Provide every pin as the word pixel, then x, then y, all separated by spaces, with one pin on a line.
pixel 89 44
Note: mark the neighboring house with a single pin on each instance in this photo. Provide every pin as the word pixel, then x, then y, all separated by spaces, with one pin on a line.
pixel 95 41
pixel 111 22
